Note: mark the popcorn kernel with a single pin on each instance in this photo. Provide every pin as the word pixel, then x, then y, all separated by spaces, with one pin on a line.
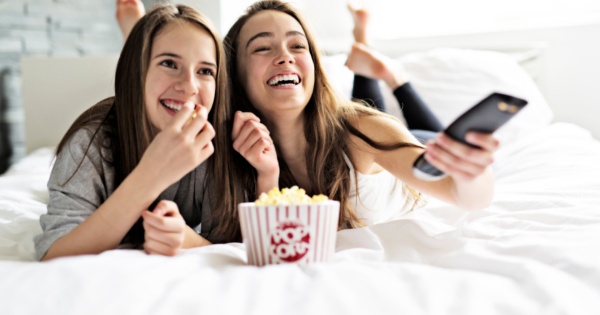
pixel 288 196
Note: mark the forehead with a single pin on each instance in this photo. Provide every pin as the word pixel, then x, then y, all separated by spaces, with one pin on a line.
pixel 269 21
pixel 183 32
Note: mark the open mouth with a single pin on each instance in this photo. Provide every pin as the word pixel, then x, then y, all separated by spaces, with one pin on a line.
pixel 175 106
pixel 172 106
pixel 285 80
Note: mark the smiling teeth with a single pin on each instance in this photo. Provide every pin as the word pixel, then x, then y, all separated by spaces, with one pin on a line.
pixel 176 107
pixel 287 79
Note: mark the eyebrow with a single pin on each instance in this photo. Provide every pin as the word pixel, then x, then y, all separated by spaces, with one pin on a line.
pixel 167 54
pixel 269 34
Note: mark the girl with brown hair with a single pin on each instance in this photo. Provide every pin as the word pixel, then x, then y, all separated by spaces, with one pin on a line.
pixel 325 144
pixel 147 148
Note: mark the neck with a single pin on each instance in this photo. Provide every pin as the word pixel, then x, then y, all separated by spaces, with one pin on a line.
pixel 287 131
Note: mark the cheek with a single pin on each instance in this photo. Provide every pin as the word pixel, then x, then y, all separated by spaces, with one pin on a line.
pixel 208 96
pixel 147 94
pixel 152 86
pixel 308 66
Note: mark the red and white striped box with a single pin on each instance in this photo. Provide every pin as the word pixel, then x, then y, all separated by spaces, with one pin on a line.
pixel 279 234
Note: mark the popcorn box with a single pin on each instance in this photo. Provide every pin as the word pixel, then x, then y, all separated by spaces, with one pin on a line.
pixel 279 234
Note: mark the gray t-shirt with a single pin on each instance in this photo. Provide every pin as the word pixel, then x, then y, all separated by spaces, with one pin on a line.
pixel 76 195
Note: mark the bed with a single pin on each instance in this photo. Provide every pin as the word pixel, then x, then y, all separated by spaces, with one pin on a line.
pixel 535 250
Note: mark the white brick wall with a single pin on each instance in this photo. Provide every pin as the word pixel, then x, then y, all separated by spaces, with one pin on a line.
pixel 46 27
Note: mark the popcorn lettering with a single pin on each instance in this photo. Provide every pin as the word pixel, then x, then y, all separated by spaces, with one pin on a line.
pixel 290 241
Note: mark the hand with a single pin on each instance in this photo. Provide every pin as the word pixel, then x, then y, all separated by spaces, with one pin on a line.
pixel 178 148
pixel 253 141
pixel 164 229
pixel 461 161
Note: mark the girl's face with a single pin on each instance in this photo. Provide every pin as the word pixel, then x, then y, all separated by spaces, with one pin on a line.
pixel 274 62
pixel 182 69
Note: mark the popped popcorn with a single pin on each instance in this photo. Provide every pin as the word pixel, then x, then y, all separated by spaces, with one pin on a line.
pixel 288 196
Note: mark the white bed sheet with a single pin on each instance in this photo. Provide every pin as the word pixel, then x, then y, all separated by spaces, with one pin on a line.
pixel 536 250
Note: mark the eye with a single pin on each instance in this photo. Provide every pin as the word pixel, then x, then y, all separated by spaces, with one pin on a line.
pixel 207 71
pixel 168 63
pixel 299 46
pixel 261 48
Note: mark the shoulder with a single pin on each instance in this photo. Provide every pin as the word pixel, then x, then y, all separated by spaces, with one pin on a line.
pixel 81 141
pixel 87 147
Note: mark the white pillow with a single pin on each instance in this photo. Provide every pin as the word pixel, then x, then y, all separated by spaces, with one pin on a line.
pixel 451 80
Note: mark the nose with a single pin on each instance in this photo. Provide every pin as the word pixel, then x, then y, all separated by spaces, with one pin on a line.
pixel 285 57
pixel 187 83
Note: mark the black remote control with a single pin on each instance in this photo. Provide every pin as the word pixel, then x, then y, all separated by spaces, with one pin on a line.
pixel 486 116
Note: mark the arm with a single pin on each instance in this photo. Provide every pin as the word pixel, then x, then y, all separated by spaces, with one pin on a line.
pixel 174 152
pixel 470 181
pixel 105 227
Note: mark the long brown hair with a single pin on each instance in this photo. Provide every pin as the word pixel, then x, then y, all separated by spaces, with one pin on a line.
pixel 121 122
pixel 329 119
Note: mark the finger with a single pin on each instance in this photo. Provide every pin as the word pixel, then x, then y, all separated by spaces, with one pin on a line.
pixel 162 223
pixel 484 140
pixel 157 248
pixel 254 139
pixel 171 239
pixel 166 208
pixel 206 152
pixel 258 151
pixel 245 132
pixel 464 152
pixel 205 135
pixel 196 120
pixel 183 115
pixel 240 120
pixel 448 163
pixel 449 168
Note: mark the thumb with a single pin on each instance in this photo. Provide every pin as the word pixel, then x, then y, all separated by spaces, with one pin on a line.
pixel 166 208
pixel 161 208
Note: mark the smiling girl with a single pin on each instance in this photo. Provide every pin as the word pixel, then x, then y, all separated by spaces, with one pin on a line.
pixel 146 148
pixel 325 144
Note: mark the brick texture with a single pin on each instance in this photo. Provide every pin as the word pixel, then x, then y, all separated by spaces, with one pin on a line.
pixel 46 27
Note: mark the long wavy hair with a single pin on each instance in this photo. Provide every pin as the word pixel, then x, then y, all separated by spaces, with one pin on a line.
pixel 329 120
pixel 121 124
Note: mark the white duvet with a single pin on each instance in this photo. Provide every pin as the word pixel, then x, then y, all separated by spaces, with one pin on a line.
pixel 536 250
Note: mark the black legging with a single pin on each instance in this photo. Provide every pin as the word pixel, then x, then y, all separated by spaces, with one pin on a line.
pixel 420 120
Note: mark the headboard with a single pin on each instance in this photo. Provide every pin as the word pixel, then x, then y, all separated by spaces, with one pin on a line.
pixel 56 90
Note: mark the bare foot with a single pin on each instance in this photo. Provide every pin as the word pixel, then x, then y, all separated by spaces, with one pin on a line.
pixel 361 21
pixel 128 13
pixel 366 62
